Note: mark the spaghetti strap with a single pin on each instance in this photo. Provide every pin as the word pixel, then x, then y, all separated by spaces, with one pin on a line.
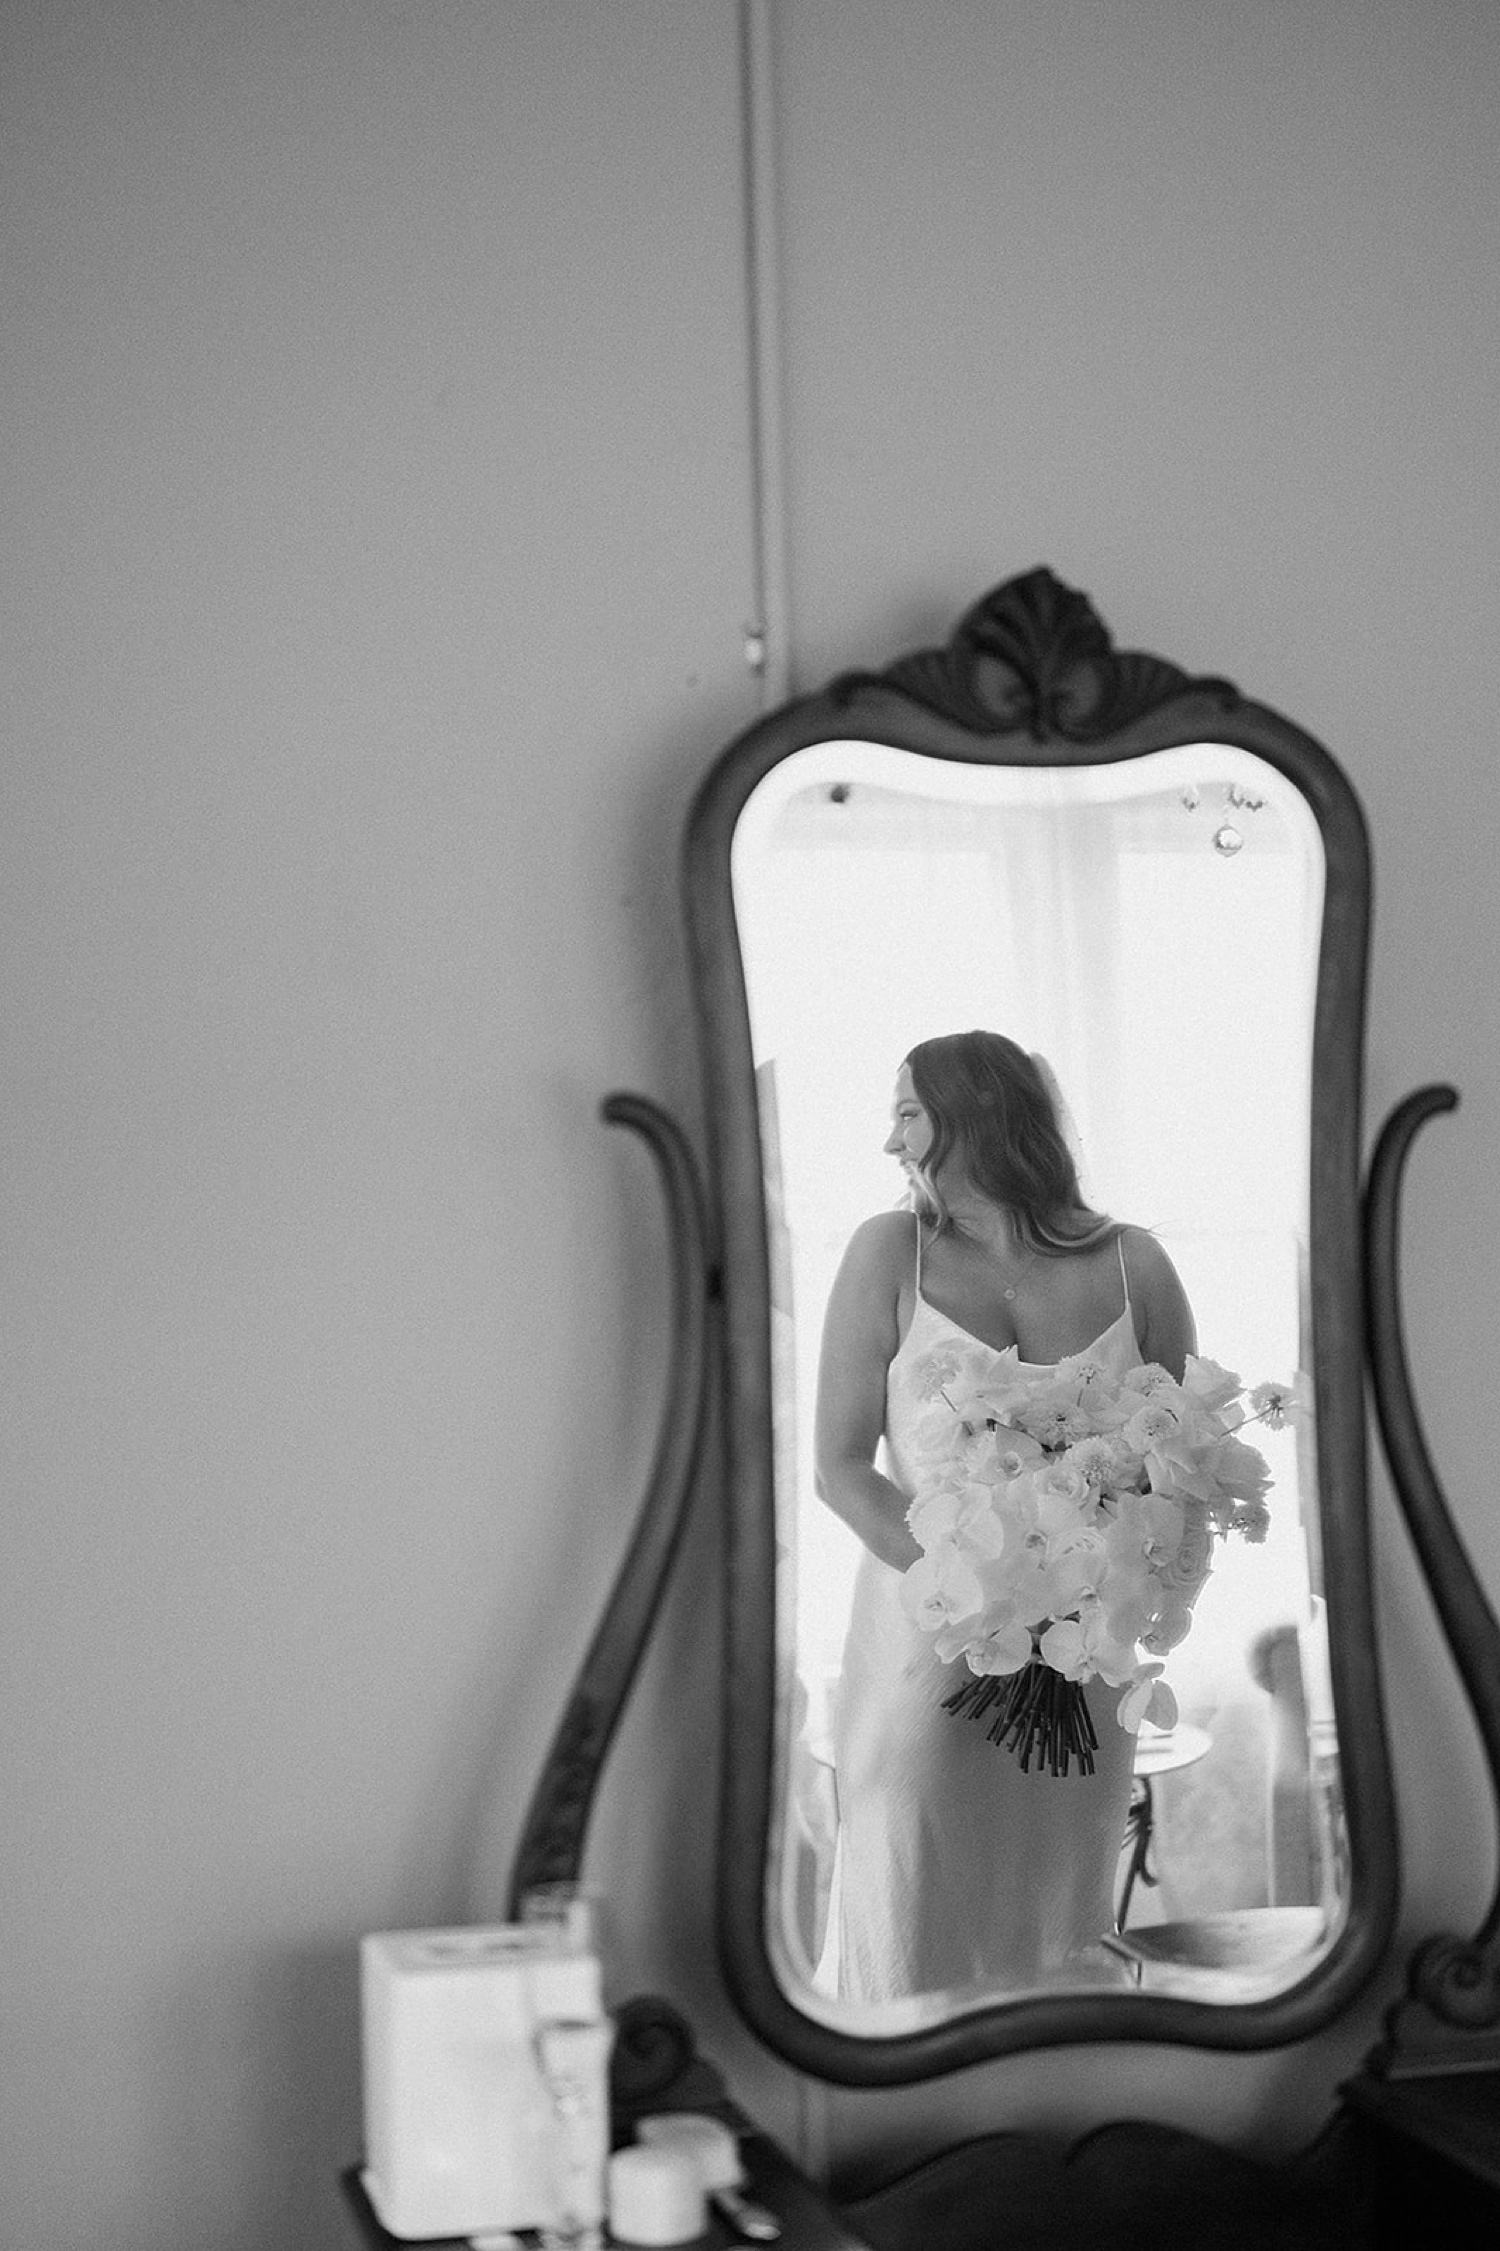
pixel 917 1216
pixel 1124 1277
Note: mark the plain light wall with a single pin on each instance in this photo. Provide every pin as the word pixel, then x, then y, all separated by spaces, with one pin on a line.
pixel 375 571
pixel 377 557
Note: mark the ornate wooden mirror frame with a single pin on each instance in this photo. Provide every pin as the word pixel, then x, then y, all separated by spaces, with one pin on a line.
pixel 1030 678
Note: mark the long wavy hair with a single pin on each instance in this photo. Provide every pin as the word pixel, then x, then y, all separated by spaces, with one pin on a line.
pixel 993 1119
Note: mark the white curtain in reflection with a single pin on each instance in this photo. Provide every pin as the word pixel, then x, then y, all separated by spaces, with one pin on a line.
pixel 876 923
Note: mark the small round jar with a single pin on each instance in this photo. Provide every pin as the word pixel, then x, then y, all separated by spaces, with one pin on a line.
pixel 656 2196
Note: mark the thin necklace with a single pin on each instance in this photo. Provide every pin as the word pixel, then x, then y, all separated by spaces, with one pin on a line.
pixel 1008 1289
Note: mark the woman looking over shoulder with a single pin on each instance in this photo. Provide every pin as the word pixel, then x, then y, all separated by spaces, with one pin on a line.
pixel 1006 1250
pixel 957 1868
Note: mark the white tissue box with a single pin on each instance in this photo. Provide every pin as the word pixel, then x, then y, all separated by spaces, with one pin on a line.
pixel 458 2123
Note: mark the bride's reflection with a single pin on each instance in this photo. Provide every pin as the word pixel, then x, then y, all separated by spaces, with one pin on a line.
pixel 1102 917
pixel 956 1869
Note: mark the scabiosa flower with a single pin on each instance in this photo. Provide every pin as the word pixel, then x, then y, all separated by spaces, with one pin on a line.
pixel 1096 1460
pixel 1271 1403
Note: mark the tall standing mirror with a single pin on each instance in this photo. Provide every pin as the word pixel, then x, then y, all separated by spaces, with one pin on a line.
pixel 1162 889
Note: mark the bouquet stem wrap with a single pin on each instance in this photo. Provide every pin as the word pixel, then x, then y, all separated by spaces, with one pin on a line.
pixel 1036 1714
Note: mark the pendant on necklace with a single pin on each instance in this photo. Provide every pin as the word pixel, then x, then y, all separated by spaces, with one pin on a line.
pixel 1010 1292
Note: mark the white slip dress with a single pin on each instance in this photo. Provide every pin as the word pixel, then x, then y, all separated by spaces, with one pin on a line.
pixel 955 1871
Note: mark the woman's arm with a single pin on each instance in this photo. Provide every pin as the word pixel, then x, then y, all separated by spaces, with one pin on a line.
pixel 860 1339
pixel 1165 1330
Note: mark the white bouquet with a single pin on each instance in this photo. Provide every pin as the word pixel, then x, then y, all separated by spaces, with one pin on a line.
pixel 1067 1518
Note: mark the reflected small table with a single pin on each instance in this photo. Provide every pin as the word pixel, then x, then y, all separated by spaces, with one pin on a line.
pixel 1159 1751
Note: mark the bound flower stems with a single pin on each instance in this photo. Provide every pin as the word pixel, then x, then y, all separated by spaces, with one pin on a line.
pixel 1037 1713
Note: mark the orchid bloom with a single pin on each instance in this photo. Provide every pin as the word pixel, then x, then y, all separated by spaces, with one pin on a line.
pixel 1147 1700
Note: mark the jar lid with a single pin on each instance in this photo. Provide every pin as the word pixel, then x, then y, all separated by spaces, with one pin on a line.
pixel 708 2141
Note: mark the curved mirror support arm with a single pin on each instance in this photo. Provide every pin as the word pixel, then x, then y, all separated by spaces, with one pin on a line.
pixel 555 1828
pixel 1450 2020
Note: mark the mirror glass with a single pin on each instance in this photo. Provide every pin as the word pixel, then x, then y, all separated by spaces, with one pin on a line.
pixel 1151 926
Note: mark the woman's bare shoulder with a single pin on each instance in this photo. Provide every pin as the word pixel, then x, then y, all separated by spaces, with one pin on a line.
pixel 885 1242
pixel 1149 1269
pixel 864 1303
pixel 1144 1254
pixel 1164 1318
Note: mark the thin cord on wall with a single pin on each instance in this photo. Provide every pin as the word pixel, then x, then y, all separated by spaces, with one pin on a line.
pixel 767 633
pixel 768 648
